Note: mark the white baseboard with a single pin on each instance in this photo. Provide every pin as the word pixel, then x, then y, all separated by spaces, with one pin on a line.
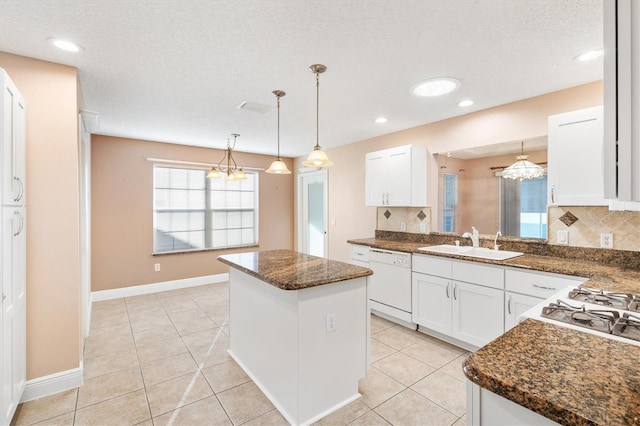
pixel 53 383
pixel 157 287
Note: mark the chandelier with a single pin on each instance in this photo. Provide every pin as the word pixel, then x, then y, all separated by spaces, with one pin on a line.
pixel 317 158
pixel 523 168
pixel 231 170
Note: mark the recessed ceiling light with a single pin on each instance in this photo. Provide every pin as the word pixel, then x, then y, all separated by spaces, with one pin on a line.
pixel 589 56
pixel 381 120
pixel 465 103
pixel 65 45
pixel 435 87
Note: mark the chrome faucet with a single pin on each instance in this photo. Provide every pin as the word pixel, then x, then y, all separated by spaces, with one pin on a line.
pixel 495 240
pixel 475 237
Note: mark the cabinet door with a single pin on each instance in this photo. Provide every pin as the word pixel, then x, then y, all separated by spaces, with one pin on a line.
pixel 432 302
pixel 12 139
pixel 399 176
pixel 515 305
pixel 376 179
pixel 13 364
pixel 575 167
pixel 478 313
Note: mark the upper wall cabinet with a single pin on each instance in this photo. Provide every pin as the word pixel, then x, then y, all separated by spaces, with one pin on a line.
pixel 575 170
pixel 397 177
pixel 12 140
pixel 622 99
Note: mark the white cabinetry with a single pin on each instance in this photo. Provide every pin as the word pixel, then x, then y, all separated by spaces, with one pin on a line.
pixel 13 250
pixel 622 99
pixel 396 177
pixel 469 311
pixel 359 255
pixel 575 169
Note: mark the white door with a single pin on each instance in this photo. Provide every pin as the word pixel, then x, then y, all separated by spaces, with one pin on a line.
pixel 432 302
pixel 478 313
pixel 312 213
pixel 515 305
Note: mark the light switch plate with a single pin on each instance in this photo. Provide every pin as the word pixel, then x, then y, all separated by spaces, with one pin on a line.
pixel 563 237
pixel 606 240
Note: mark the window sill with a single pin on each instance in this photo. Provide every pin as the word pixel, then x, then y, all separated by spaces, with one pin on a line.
pixel 166 253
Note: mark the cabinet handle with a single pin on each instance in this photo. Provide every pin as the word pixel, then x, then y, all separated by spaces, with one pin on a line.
pixel 543 287
pixel 509 305
pixel 455 287
pixel 20 188
pixel 4 296
pixel 553 194
pixel 448 284
pixel 21 226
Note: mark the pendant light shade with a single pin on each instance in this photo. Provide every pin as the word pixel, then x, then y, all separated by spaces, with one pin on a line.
pixel 278 167
pixel 317 158
pixel 231 171
pixel 523 168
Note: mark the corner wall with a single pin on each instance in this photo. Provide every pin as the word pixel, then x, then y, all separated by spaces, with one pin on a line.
pixel 54 340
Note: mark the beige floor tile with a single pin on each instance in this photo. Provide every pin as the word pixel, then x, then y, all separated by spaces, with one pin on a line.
pixel 45 408
pixel 146 310
pixel 461 422
pixel 159 349
pixel 379 350
pixel 194 325
pixel 207 338
pixel 454 368
pixel 207 411
pixel 128 409
pixel 178 304
pixel 218 315
pixel 209 356
pixel 344 415
pixel 445 391
pixel 369 419
pixel 107 319
pixel 105 364
pixel 164 369
pixel 112 330
pixel 148 322
pixel 433 352
pixel 108 304
pixel 272 418
pixel 156 333
pixel 177 392
pixel 397 337
pixel 378 324
pixel 109 386
pixel 187 314
pixel 63 420
pixel 403 368
pixel 244 403
pixel 225 376
pixel 102 344
pixel 377 387
pixel 410 408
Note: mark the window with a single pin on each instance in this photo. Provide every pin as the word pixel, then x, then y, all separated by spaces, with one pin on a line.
pixel 191 212
pixel 523 207
pixel 450 201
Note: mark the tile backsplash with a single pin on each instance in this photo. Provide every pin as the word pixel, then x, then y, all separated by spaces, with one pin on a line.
pixel 591 222
pixel 392 218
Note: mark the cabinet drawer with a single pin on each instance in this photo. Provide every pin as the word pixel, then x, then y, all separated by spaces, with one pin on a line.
pixel 432 265
pixel 538 284
pixel 360 253
pixel 489 276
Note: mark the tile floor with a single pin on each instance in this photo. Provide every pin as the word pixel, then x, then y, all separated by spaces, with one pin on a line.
pixel 161 359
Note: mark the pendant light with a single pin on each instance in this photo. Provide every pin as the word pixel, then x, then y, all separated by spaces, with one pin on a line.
pixel 278 167
pixel 317 158
pixel 231 172
pixel 523 168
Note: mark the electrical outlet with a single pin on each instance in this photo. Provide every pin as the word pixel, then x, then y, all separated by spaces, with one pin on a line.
pixel 403 227
pixel 606 240
pixel 563 237
pixel 156 267
pixel 331 322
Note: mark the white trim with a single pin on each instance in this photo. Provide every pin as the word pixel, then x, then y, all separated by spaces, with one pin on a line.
pixel 194 163
pixel 53 383
pixel 157 287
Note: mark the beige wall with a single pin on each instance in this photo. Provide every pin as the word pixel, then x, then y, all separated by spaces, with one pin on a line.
pixel 511 122
pixel 122 213
pixel 53 260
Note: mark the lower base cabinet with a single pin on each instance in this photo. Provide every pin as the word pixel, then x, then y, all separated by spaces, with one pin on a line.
pixel 515 305
pixel 478 313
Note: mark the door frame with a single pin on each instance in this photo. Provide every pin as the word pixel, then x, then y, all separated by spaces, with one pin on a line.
pixel 301 209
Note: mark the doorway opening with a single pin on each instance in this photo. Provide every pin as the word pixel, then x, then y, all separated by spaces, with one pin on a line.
pixel 312 213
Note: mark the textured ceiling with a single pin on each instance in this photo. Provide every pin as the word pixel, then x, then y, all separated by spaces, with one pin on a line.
pixel 175 70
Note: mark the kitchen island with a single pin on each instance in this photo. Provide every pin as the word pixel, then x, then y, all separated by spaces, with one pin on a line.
pixel 299 327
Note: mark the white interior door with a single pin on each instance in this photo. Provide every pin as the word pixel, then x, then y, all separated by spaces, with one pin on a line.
pixel 312 213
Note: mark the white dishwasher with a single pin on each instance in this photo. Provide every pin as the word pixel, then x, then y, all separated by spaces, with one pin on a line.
pixel 390 284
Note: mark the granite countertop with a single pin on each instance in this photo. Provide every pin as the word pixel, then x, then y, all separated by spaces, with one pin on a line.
pixel 290 270
pixel 600 276
pixel 549 370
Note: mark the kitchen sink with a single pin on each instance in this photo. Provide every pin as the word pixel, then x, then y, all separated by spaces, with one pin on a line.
pixel 479 252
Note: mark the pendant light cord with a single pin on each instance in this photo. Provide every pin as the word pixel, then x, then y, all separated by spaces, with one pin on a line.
pixel 278 100
pixel 317 111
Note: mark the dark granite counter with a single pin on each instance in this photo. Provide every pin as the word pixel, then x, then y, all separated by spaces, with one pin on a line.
pixel 568 376
pixel 290 270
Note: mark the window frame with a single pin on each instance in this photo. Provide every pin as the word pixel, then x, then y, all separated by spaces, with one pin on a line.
pixel 208 210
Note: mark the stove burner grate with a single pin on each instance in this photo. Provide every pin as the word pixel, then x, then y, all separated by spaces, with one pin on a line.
pixel 600 320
